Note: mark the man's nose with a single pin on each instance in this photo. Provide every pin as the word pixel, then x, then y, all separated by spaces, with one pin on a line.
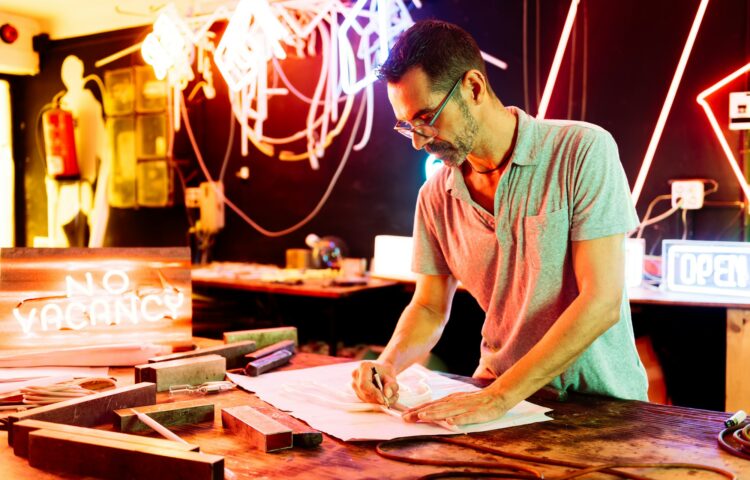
pixel 418 141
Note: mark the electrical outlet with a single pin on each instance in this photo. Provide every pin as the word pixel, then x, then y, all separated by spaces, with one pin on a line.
pixel 192 197
pixel 690 191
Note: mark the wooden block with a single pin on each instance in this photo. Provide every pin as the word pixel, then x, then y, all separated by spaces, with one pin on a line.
pixel 23 428
pixel 303 435
pixel 269 362
pixel 188 412
pixel 91 410
pixel 191 371
pixel 262 337
pixel 738 358
pixel 260 431
pixel 67 453
pixel 233 352
pixel 282 345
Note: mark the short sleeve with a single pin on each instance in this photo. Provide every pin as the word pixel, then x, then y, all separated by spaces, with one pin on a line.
pixel 602 205
pixel 428 258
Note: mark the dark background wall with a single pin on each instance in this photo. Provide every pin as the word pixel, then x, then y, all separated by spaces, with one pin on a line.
pixel 625 54
pixel 616 73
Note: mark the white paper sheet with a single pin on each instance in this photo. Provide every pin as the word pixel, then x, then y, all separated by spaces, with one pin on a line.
pixel 303 393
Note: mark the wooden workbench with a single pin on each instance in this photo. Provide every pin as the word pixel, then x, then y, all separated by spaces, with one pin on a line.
pixel 585 429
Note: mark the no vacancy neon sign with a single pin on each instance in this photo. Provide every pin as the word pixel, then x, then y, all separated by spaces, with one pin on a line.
pixel 84 305
pixel 78 296
pixel 716 268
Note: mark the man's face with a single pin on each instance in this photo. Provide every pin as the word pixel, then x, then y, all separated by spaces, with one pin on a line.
pixel 414 102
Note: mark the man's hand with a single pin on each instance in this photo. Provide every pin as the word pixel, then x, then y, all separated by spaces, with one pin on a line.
pixel 460 408
pixel 364 386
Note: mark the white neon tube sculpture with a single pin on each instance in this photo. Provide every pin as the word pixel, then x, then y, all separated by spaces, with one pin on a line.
pixel 352 39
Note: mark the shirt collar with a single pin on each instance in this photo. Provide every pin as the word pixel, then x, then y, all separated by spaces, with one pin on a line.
pixel 523 152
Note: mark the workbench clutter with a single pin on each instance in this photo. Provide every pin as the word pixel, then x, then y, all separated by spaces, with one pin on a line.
pixel 351 272
pixel 196 367
pixel 58 438
pixel 92 306
pixel 68 437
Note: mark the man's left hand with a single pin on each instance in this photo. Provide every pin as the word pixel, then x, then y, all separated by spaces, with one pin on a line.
pixel 460 408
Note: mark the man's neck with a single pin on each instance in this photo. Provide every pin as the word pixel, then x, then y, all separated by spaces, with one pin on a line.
pixel 496 140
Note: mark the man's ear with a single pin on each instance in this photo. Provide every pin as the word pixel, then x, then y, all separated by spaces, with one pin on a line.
pixel 478 85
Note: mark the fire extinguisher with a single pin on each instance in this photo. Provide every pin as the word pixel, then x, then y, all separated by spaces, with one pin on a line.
pixel 59 142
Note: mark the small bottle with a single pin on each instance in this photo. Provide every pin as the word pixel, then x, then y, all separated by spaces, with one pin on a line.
pixel 735 419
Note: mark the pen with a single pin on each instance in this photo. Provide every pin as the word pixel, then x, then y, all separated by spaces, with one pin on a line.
pixel 379 384
pixel 738 417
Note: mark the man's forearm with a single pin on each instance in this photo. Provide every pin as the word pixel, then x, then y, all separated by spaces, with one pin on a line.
pixel 579 325
pixel 418 330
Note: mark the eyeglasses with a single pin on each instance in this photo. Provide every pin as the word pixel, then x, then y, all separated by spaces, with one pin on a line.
pixel 426 130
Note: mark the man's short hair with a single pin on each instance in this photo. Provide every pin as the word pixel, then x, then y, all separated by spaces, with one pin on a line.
pixel 443 50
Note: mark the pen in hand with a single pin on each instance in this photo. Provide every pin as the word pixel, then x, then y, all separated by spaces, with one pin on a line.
pixel 379 384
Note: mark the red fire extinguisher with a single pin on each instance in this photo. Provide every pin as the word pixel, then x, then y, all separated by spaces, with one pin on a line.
pixel 60 146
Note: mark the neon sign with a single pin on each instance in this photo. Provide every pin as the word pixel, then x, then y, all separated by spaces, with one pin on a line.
pixel 719 268
pixel 82 306
pixel 703 102
pixel 75 297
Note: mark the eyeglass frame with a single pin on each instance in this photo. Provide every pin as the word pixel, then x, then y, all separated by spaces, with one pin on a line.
pixel 408 130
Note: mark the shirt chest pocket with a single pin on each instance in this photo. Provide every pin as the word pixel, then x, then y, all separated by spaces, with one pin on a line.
pixel 546 240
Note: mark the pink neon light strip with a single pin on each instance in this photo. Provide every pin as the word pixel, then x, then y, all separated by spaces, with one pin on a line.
pixel 720 134
pixel 559 54
pixel 651 150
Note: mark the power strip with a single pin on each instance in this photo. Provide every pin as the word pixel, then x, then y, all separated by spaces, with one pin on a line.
pixel 691 192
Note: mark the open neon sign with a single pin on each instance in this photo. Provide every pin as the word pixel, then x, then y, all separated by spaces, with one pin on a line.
pixel 719 268
pixel 84 305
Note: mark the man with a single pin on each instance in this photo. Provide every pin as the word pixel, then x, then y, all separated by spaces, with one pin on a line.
pixel 530 216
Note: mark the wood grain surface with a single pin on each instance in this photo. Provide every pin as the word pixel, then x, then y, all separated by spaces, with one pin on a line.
pixel 585 429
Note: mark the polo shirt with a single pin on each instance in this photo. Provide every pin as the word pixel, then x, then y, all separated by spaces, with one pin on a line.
pixel 564 183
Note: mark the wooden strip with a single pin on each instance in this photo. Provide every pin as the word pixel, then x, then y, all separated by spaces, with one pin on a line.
pixel 234 353
pixel 282 345
pixel 303 435
pixel 738 359
pixel 260 431
pixel 67 453
pixel 23 428
pixel 262 337
pixel 269 362
pixel 91 410
pixel 187 412
pixel 191 371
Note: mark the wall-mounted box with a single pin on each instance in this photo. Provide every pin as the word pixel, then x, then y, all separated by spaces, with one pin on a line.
pixel 19 57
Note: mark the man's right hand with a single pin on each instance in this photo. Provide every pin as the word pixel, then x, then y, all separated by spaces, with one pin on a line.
pixel 364 385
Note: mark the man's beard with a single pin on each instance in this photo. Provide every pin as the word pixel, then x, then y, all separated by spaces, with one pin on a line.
pixel 454 154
